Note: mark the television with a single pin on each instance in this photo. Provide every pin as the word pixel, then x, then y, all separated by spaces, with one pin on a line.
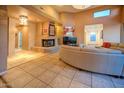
pixel 69 40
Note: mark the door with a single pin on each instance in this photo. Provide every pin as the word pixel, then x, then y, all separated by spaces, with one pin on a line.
pixel 20 40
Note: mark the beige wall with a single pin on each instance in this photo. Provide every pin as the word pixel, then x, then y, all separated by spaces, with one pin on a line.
pixel 48 12
pixel 122 18
pixel 25 37
pixel 112 26
pixel 28 35
pixel 3 40
pixel 67 19
pixel 45 25
pixel 38 35
pixel 32 31
pixel 12 31
pixel 59 33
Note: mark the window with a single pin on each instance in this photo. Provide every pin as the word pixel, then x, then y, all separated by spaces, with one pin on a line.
pixel 92 36
pixel 101 13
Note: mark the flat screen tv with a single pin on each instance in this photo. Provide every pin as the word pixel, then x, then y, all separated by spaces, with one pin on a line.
pixel 69 40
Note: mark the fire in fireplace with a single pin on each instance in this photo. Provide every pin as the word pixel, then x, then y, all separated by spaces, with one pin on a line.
pixel 48 42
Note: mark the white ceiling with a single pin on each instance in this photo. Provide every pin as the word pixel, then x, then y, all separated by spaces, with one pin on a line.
pixel 70 9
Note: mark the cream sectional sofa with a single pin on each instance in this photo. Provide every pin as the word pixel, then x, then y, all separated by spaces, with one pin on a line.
pixel 118 46
pixel 100 60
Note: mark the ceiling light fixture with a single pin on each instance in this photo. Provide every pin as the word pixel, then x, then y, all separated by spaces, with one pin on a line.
pixel 81 6
pixel 23 20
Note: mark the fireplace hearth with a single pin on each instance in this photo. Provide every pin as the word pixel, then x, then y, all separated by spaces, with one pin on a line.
pixel 48 42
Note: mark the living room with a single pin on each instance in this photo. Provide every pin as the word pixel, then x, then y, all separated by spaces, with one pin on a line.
pixel 46 44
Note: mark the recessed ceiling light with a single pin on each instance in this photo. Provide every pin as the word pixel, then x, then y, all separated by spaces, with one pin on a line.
pixel 80 6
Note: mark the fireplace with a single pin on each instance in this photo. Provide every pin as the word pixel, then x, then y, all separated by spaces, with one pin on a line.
pixel 48 42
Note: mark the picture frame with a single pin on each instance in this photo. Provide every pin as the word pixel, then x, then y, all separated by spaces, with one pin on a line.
pixel 44 31
pixel 52 30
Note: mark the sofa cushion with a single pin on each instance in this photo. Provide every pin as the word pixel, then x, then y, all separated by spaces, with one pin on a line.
pixel 121 49
pixel 121 45
pixel 114 45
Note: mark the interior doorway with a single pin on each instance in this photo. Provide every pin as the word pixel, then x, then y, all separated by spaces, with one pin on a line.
pixel 18 40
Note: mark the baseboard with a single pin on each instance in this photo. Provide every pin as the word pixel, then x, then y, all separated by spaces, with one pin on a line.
pixel 2 73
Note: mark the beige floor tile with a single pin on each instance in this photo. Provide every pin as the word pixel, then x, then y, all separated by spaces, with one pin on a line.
pixel 118 82
pixel 37 71
pixel 101 81
pixel 60 82
pixel 12 74
pixel 36 84
pixel 24 66
pixel 53 61
pixel 16 63
pixel 39 62
pixel 28 66
pixel 47 76
pixel 21 81
pixel 83 77
pixel 55 55
pixel 50 70
pixel 46 59
pixel 76 84
pixel 48 86
pixel 56 68
pixel 23 57
pixel 47 65
pixel 61 63
pixel 68 71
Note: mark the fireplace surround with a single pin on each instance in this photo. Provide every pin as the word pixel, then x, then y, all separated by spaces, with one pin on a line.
pixel 48 42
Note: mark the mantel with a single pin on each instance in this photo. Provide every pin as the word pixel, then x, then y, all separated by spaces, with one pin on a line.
pixel 48 37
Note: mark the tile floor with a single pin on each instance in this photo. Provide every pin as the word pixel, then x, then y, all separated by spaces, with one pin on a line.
pixel 50 72
pixel 23 56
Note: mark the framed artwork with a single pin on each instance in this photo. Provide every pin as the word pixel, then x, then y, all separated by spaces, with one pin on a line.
pixel 51 30
pixel 44 31
pixel 68 31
